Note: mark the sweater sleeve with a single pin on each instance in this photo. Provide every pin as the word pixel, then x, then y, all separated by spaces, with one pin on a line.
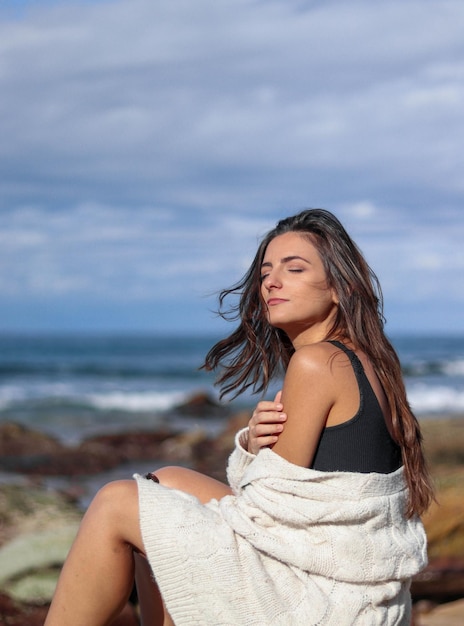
pixel 239 460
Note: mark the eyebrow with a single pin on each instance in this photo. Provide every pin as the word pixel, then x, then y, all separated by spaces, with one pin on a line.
pixel 286 259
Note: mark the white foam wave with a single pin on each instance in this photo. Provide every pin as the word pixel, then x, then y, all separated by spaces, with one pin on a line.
pixel 454 368
pixel 428 399
pixel 137 401
pixel 13 393
pixel 124 400
pixel 8 394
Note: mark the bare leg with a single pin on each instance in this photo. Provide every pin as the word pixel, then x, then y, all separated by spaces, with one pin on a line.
pixel 152 609
pixel 97 577
pixel 203 487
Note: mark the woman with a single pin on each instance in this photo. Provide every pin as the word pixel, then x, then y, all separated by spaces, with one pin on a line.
pixel 319 523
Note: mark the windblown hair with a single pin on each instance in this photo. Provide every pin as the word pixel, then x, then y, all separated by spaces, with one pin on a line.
pixel 256 352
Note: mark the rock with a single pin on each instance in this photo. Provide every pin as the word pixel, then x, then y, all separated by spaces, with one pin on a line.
pixel 449 614
pixel 180 449
pixel 39 455
pixel 18 440
pixel 201 405
pixel 14 614
pixel 441 581
pixel 444 521
pixel 27 452
pixel 22 448
pixel 38 527
pixel 32 509
pixel 443 441
pixel 126 446
pixel 209 455
pixel 29 564
pixel 443 578
pixel 29 510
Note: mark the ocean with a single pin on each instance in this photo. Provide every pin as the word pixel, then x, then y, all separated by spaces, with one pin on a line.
pixel 75 386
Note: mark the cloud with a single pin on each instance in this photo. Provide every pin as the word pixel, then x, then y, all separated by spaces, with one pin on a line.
pixel 146 146
pixel 96 252
pixel 164 92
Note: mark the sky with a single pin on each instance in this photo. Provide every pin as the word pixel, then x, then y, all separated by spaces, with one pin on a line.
pixel 147 146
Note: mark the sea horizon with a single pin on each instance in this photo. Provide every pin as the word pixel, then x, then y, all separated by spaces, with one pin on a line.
pixel 75 384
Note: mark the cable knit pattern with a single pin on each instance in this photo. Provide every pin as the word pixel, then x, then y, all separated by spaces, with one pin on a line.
pixel 292 546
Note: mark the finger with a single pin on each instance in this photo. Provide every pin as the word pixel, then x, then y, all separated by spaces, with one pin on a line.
pixel 267 441
pixel 268 405
pixel 266 430
pixel 263 442
pixel 278 397
pixel 267 417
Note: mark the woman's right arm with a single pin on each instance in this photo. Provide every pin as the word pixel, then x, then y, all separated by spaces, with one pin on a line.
pixel 266 424
pixel 264 428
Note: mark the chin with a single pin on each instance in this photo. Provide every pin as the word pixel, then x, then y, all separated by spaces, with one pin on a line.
pixel 281 326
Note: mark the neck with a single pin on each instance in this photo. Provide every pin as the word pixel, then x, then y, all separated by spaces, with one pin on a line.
pixel 309 336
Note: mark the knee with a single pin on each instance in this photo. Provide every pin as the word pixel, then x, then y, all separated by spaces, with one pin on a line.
pixel 172 476
pixel 114 513
pixel 114 499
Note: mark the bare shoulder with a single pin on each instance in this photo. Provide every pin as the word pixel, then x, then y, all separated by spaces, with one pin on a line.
pixel 308 396
pixel 321 369
pixel 317 358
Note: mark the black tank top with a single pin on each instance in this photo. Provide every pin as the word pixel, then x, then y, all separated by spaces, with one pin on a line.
pixel 363 443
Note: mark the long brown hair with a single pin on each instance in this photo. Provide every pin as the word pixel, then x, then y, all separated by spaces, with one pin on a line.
pixel 256 351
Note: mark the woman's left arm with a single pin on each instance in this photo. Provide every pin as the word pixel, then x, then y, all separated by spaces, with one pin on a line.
pixel 308 395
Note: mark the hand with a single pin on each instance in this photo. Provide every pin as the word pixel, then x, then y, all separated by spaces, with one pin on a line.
pixel 266 424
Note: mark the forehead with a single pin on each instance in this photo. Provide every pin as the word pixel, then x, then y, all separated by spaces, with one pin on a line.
pixel 290 244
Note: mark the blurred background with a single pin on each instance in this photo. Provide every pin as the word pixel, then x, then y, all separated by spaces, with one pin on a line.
pixel 147 146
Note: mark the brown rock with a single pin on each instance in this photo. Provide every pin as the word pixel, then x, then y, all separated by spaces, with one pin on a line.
pixel 18 440
pixel 132 445
pixel 201 405
pixel 449 614
pixel 444 521
pixel 181 449
pixel 25 451
pixel 209 455
pixel 22 448
pixel 13 614
pixel 441 581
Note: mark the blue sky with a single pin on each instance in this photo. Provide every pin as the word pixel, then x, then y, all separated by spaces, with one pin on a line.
pixel 147 146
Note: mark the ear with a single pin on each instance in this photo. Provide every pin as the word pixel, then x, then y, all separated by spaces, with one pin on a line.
pixel 335 298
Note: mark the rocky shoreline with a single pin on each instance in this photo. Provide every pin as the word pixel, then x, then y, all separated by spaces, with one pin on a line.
pixel 45 485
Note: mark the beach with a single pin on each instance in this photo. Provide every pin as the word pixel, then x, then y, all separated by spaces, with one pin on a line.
pixel 43 496
pixel 75 414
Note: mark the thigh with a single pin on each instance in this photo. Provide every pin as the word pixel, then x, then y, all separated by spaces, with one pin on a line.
pixel 199 485
pixel 151 606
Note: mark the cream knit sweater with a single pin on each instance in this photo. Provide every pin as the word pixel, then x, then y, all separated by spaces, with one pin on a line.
pixel 292 547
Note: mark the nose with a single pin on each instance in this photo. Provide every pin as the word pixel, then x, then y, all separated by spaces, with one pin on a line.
pixel 272 281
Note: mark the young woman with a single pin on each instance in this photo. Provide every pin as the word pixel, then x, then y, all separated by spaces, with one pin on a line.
pixel 320 521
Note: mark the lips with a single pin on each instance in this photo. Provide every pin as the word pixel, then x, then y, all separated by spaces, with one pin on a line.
pixel 275 301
